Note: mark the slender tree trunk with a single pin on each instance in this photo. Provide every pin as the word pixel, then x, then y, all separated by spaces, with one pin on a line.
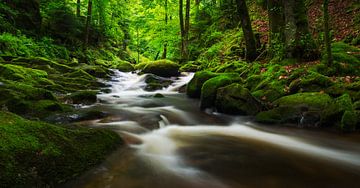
pixel 290 29
pixel 327 33
pixel 182 29
pixel 197 9
pixel 88 22
pixel 78 5
pixel 247 30
pixel 187 29
pixel 166 23
pixel 276 24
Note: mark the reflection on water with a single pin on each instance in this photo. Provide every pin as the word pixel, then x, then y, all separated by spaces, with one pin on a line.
pixel 171 143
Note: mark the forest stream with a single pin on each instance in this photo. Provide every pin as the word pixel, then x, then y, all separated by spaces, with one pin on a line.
pixel 171 143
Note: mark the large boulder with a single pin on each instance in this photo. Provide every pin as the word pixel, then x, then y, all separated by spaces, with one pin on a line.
pixel 209 89
pixel 305 109
pixel 164 68
pixel 193 88
pixel 124 66
pixel 235 99
pixel 83 97
pixel 310 82
pixel 341 113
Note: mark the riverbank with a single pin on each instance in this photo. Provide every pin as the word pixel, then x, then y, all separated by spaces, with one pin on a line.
pixel 304 94
pixel 46 149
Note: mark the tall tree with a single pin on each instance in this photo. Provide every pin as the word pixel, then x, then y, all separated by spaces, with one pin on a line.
pixel 247 30
pixel 187 28
pixel 182 28
pixel 299 41
pixel 88 23
pixel 166 23
pixel 276 25
pixel 78 6
pixel 327 33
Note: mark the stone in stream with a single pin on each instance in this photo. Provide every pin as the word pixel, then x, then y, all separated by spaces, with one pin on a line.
pixel 163 68
pixel 304 109
pixel 235 99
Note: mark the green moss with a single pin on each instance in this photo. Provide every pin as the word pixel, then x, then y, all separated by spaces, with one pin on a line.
pixel 96 71
pixel 19 73
pixel 83 97
pixel 235 99
pixel 348 121
pixel 191 66
pixel 164 68
pixel 47 105
pixel 40 61
pixel 193 88
pixel 209 89
pixel 311 100
pixel 36 154
pixel 283 114
pixel 312 81
pixel 140 66
pixel 235 66
pixel 123 66
pixel 332 115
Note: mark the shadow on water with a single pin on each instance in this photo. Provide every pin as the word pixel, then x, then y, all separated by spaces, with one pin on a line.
pixel 171 143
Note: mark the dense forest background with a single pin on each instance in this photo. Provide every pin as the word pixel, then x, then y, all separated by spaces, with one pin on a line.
pixel 280 61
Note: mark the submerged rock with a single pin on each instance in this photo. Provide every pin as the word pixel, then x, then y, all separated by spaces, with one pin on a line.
pixel 235 99
pixel 154 82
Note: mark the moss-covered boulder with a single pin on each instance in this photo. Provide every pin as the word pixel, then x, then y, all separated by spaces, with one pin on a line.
pixel 310 82
pixel 235 99
pixel 83 97
pixel 164 68
pixel 20 73
pixel 36 154
pixel 209 89
pixel 191 66
pixel 42 64
pixel 312 100
pixel 340 113
pixel 97 71
pixel 305 109
pixel 283 114
pixel 193 88
pixel 124 66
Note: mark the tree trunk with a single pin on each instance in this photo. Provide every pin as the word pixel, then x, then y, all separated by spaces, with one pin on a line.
pixel 187 29
pixel 88 22
pixel 182 30
pixel 166 23
pixel 290 29
pixel 78 5
pixel 247 30
pixel 299 41
pixel 327 33
pixel 276 25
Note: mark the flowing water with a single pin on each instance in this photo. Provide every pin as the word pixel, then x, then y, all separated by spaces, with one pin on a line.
pixel 172 144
